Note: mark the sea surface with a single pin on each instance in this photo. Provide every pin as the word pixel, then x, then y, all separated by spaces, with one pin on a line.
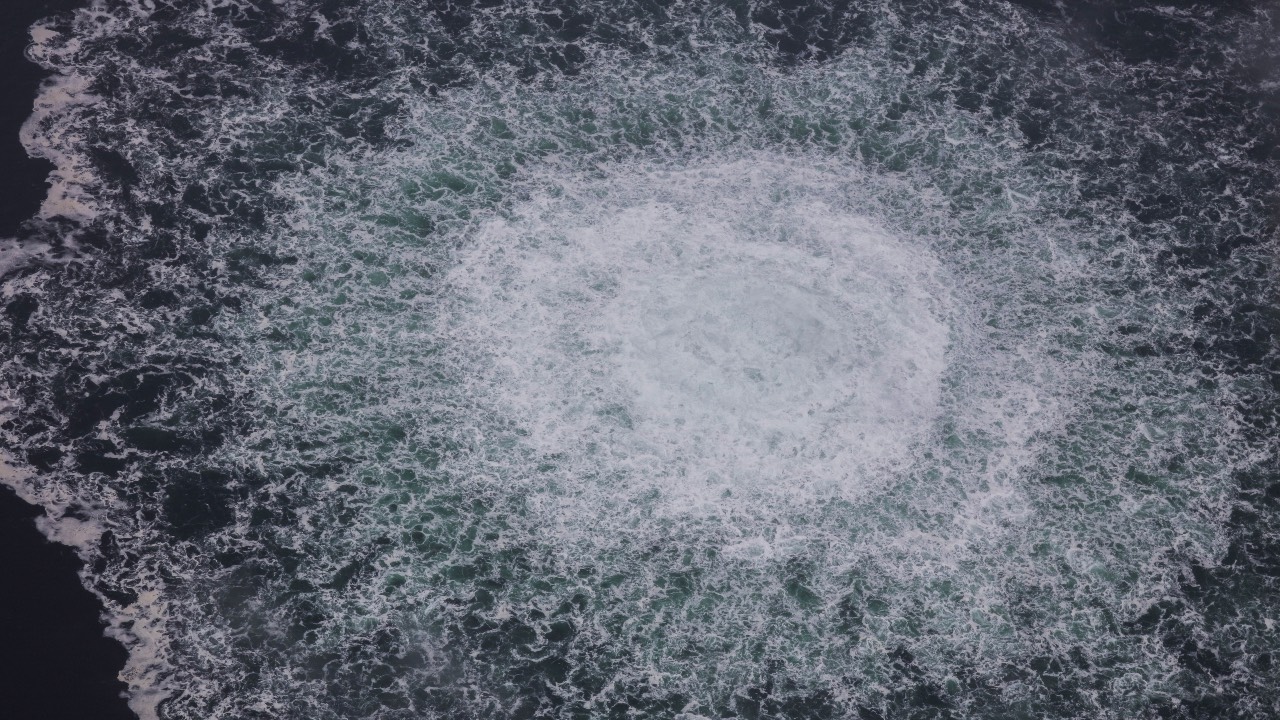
pixel 641 359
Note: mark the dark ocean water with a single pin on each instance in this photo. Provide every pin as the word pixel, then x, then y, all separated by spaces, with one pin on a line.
pixel 660 360
pixel 54 660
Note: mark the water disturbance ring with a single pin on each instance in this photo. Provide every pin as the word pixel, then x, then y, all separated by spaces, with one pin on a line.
pixel 702 337
pixel 524 364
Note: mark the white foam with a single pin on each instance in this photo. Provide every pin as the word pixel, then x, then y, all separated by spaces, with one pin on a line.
pixel 10 473
pixel 45 133
pixel 705 337
pixel 70 182
pixel 140 626
pixel 15 254
pixel 619 370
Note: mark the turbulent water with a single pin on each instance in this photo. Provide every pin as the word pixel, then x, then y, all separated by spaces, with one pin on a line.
pixel 652 359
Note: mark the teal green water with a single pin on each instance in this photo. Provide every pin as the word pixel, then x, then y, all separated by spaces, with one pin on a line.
pixel 547 395
pixel 649 372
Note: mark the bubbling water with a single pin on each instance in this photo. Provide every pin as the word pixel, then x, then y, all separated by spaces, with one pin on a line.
pixel 680 383
pixel 703 338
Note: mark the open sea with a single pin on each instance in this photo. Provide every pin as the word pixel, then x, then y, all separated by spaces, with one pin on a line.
pixel 659 359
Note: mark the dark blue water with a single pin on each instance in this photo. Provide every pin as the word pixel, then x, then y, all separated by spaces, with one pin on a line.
pixel 561 360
